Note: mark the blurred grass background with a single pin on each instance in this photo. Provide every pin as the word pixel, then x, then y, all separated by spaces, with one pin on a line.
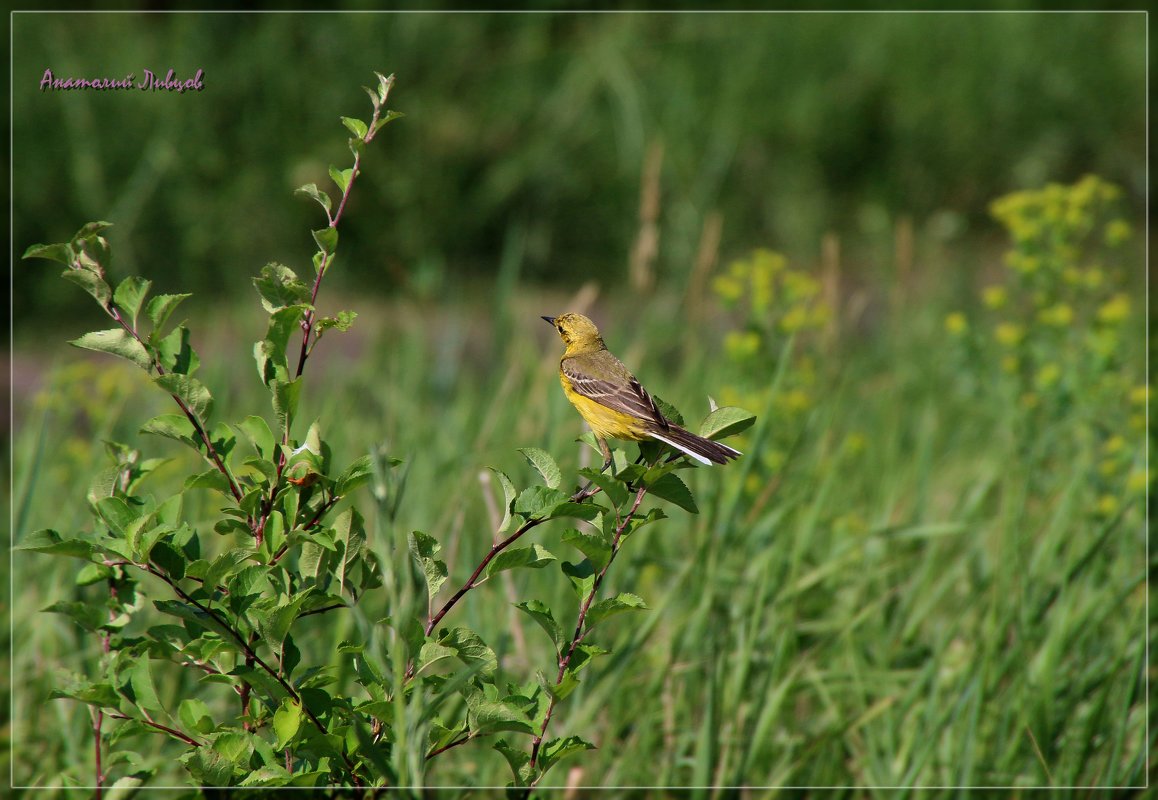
pixel 912 579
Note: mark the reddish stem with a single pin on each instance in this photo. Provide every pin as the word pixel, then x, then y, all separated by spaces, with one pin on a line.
pixel 579 634
pixel 496 548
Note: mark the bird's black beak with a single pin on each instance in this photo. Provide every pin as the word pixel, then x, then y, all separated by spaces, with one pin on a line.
pixel 550 320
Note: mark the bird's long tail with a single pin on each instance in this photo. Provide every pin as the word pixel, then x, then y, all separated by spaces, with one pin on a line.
pixel 703 450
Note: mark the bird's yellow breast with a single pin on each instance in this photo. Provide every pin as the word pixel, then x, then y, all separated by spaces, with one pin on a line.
pixel 605 422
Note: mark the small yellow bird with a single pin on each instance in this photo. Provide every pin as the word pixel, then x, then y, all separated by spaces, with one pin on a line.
pixel 612 402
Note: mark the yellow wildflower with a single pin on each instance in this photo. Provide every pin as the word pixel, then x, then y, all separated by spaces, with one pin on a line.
pixel 1047 376
pixel 1117 232
pixel 1009 333
pixel 1059 315
pixel 1115 310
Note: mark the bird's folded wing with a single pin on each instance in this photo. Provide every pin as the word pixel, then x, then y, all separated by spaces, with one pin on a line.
pixel 628 397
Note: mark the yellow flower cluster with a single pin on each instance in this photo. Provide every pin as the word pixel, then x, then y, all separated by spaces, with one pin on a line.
pixel 1115 311
pixel 1070 210
pixel 1056 294
pixel 1059 327
pixel 1051 227
pixel 775 298
pixel 956 323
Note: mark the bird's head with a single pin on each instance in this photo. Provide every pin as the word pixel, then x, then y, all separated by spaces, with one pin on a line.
pixel 576 331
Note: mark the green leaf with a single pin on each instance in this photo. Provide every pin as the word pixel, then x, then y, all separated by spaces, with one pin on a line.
pixel 433 652
pixel 582 656
pixel 355 475
pixel 560 690
pixel 470 649
pixel 388 117
pixel 142 535
pixel 166 556
pixel 491 716
pixel 385 83
pixel 355 126
pixel 341 322
pixel 669 411
pixel 267 469
pixel 312 560
pixel 237 746
pixel 257 430
pixel 279 286
pixel 671 488
pixel 95 694
pixel 208 767
pixel 582 577
pixel 539 501
pixel 285 400
pixel 190 390
pixel 117 342
pixel 275 624
pixel 194 615
pixel 534 557
pixel 519 760
pixel 60 252
pixel 350 532
pixel 91 282
pixel 341 177
pixel 173 426
pixel 587 511
pixel 93 573
pixel 225 565
pixel 117 514
pixel 267 776
pixel 141 679
pixel 91 230
pixel 160 308
pixel 424 548
pixel 209 479
pixel 440 735
pixel 726 421
pixel 541 613
pixel 613 605
pixel 195 716
pixel 312 190
pixel 326 239
pixel 594 546
pixel 556 750
pixel 614 488
pixel 546 466
pixel 287 720
pixel 49 541
pixel 509 494
pixel 130 295
pixel 90 617
pixel 270 352
pixel 175 353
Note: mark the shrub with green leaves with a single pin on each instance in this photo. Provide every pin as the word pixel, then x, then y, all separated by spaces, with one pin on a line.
pixel 165 595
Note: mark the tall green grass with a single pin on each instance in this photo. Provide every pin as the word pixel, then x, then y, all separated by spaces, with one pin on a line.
pixel 912 598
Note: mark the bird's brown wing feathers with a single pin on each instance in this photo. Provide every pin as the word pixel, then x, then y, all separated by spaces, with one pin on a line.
pixel 628 397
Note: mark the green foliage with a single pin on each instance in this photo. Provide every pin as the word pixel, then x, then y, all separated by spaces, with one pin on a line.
pixel 285 554
pixel 863 118
pixel 231 596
